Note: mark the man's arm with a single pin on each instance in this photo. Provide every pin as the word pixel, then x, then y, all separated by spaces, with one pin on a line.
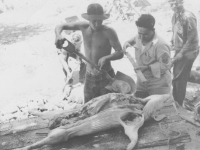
pixel 66 26
pixel 112 37
pixel 191 34
pixel 115 44
pixel 163 61
pixel 172 23
pixel 129 43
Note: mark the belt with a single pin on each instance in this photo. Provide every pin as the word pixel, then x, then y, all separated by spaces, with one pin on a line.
pixel 98 75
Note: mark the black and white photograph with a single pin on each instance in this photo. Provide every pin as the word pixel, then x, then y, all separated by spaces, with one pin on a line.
pixel 99 75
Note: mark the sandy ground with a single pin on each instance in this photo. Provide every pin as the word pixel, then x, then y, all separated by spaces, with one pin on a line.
pixel 29 65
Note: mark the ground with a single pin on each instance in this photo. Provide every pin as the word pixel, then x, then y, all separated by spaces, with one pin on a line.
pixel 29 65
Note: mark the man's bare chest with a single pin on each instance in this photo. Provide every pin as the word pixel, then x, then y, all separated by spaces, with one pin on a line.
pixel 97 40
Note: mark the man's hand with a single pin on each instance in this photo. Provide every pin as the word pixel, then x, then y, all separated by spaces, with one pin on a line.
pixel 59 42
pixel 142 68
pixel 102 62
pixel 125 46
pixel 178 57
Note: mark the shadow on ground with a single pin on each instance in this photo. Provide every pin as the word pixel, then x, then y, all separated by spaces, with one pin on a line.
pixel 13 34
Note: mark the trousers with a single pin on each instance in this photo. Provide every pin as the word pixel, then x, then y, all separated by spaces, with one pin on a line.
pixel 181 73
pixel 95 85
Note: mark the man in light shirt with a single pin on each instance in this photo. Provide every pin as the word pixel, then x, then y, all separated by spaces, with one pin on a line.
pixel 185 43
pixel 152 55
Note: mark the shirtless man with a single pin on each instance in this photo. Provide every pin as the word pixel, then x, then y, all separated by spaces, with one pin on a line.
pixel 98 43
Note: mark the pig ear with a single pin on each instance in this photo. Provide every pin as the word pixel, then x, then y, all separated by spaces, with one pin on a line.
pixel 132 132
pixel 140 123
pixel 121 121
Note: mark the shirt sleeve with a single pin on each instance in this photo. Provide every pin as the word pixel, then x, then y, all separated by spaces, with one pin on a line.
pixel 191 34
pixel 172 22
pixel 163 61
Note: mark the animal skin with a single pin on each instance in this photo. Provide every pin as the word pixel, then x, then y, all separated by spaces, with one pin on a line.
pixel 102 113
pixel 100 122
pixel 155 103
pixel 96 105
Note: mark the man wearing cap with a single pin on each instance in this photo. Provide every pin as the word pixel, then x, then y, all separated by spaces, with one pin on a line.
pixel 152 56
pixel 185 43
pixel 98 42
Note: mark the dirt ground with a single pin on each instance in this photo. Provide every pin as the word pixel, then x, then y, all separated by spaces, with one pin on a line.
pixel 29 65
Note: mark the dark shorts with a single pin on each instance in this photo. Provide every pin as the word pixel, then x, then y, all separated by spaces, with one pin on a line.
pixel 95 85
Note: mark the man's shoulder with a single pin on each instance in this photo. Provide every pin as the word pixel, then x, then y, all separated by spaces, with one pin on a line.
pixel 161 41
pixel 108 31
pixel 83 23
pixel 107 28
pixel 188 14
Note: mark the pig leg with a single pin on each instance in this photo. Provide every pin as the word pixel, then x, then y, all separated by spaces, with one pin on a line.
pixel 54 137
pixel 131 129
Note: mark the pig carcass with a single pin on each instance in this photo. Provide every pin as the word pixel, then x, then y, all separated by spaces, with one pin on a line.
pixel 100 114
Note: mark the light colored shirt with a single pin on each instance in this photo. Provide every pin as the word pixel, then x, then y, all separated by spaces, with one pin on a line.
pixel 155 54
pixel 185 34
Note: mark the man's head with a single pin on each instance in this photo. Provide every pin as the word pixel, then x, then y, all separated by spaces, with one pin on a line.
pixel 95 14
pixel 145 25
pixel 176 5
